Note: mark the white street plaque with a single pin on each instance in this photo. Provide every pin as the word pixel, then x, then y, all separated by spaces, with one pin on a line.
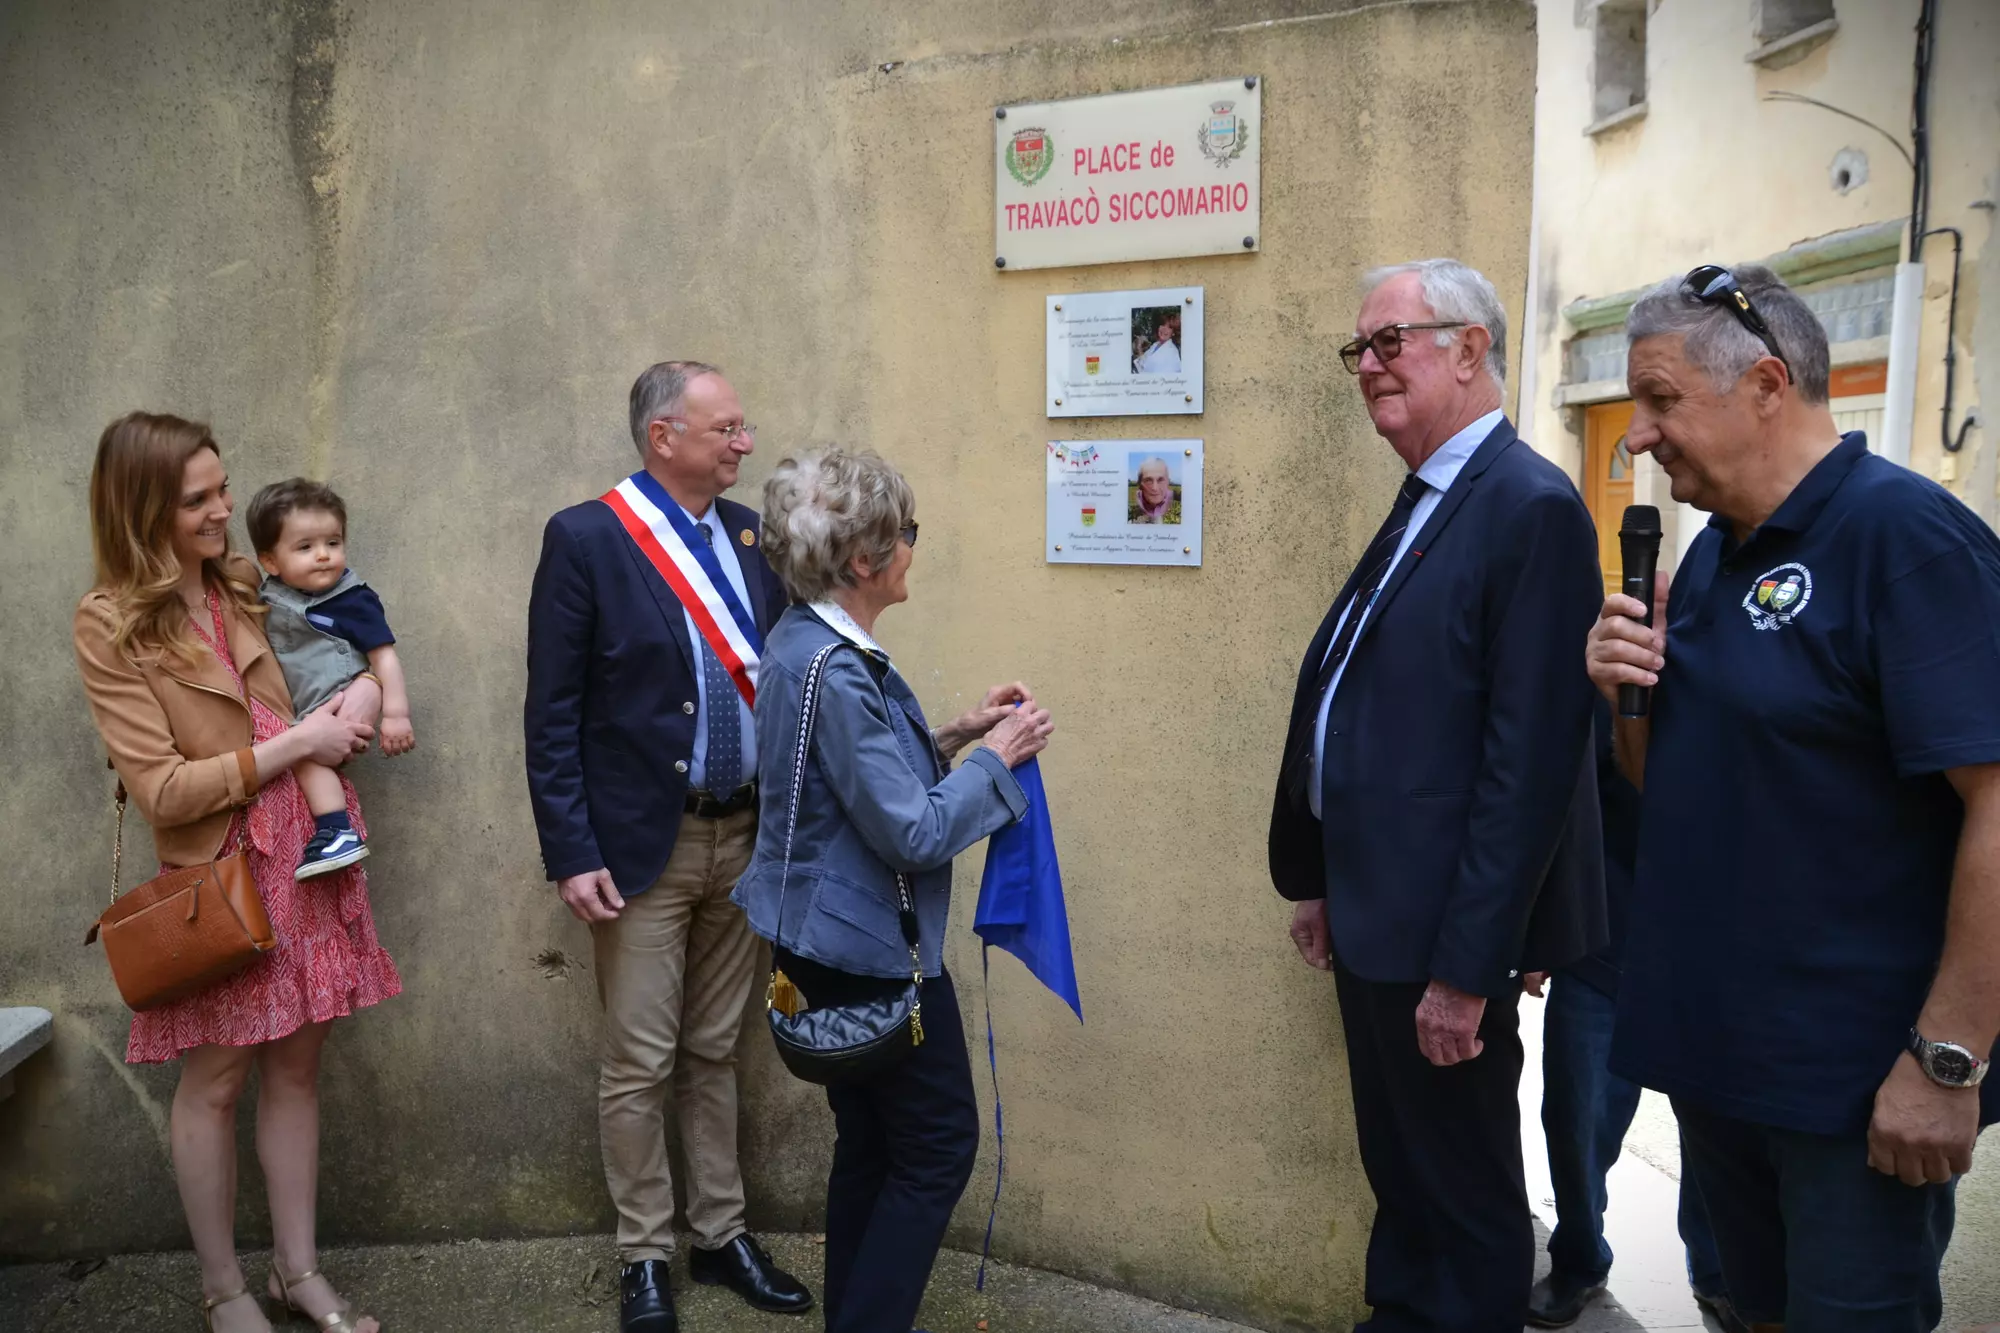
pixel 1143 175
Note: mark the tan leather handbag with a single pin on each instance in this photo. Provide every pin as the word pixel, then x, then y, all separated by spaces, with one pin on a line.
pixel 183 931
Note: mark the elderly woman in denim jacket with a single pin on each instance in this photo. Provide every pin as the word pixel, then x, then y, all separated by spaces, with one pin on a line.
pixel 879 796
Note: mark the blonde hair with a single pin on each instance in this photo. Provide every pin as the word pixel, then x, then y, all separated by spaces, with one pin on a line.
pixel 824 509
pixel 135 494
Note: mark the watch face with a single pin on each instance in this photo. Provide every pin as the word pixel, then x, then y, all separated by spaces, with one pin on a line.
pixel 1949 1064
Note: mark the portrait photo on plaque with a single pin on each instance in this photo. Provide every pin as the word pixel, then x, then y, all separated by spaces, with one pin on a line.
pixel 1156 340
pixel 1124 502
pixel 1153 489
pixel 1114 354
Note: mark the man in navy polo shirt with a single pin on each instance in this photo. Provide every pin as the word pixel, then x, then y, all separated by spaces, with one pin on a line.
pixel 1813 966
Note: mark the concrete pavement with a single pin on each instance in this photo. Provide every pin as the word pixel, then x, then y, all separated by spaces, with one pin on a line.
pixel 566 1285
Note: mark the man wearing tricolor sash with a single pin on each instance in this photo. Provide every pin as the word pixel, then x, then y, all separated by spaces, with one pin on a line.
pixel 644 629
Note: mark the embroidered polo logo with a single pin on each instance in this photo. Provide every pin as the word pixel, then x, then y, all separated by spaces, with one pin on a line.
pixel 1778 597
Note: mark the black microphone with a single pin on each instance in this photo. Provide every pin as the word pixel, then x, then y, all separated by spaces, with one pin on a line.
pixel 1639 540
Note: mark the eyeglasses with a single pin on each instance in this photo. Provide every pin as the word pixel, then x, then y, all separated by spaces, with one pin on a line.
pixel 1387 343
pixel 909 536
pixel 1712 284
pixel 680 425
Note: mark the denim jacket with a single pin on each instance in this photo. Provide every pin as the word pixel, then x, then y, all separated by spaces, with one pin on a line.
pixel 878 797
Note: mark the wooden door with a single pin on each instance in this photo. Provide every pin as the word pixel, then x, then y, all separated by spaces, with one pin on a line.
pixel 1607 481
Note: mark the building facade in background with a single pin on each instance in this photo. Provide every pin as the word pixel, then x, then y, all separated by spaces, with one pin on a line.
pixel 1781 132
pixel 1776 131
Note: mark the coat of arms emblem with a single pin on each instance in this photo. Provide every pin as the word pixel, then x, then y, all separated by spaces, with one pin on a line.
pixel 1030 155
pixel 1224 135
pixel 1777 597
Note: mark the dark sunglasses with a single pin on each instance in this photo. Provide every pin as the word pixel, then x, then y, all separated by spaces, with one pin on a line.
pixel 909 536
pixel 1712 284
pixel 1387 342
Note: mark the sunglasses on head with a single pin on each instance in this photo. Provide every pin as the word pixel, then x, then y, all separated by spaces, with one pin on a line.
pixel 1712 284
pixel 1387 342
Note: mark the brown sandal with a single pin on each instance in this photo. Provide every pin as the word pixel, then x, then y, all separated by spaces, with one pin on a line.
pixel 339 1321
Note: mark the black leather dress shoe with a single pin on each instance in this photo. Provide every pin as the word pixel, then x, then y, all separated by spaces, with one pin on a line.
pixel 1557 1301
pixel 646 1299
pixel 744 1267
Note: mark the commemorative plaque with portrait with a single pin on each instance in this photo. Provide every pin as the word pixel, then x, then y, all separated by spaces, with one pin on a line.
pixel 1115 354
pixel 1124 502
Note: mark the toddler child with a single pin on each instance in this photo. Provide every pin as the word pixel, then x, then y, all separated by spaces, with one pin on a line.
pixel 326 627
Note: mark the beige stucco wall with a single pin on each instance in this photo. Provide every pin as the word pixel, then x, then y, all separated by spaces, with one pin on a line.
pixel 422 249
pixel 1713 173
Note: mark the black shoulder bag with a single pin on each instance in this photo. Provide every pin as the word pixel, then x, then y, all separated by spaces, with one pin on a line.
pixel 847 1041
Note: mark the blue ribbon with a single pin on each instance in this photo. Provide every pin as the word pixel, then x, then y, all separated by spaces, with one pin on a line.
pixel 999 1123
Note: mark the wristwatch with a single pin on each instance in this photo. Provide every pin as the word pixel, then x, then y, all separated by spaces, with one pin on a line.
pixel 1946 1063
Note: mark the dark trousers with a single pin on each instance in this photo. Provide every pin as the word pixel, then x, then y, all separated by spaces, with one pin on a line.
pixel 1453 1247
pixel 904 1147
pixel 1586 1110
pixel 1809 1235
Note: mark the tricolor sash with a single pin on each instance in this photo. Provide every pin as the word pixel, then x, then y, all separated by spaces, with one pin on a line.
pixel 667 538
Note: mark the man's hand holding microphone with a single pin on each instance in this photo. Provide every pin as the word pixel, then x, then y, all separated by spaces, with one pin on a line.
pixel 1627 647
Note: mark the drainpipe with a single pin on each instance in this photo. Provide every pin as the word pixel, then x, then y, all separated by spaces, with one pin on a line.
pixel 1899 410
pixel 1906 307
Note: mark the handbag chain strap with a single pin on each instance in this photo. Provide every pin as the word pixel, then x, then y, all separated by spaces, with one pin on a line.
pixel 118 841
pixel 906 908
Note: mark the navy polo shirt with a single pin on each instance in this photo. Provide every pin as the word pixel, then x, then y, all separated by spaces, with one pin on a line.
pixel 356 616
pixel 1797 832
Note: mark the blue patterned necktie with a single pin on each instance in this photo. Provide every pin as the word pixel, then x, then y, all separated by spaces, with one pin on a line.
pixel 724 760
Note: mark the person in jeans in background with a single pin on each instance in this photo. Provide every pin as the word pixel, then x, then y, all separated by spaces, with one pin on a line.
pixel 1586 1108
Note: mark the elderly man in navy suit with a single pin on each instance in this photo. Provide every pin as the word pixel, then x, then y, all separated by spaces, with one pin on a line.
pixel 1436 816
pixel 645 624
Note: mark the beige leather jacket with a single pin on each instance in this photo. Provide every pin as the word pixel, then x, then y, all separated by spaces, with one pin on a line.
pixel 179 732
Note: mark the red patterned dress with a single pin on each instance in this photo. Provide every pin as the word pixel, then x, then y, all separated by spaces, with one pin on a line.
pixel 328 962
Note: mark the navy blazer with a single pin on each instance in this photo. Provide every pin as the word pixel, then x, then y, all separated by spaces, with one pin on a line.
pixel 611 699
pixel 1460 838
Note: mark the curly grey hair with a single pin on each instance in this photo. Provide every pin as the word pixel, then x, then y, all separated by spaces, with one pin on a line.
pixel 824 509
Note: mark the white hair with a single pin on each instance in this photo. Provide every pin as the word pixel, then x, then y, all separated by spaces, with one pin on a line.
pixel 1455 291
pixel 824 509
pixel 1166 472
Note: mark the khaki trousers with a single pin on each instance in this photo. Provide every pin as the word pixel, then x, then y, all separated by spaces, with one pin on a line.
pixel 674 974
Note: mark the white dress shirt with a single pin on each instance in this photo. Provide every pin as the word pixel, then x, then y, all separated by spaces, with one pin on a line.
pixel 1439 471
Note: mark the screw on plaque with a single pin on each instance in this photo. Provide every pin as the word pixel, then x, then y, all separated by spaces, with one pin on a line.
pixel 1000 261
pixel 1058 402
pixel 1059 305
pixel 1249 242
pixel 999 113
pixel 1190 300
pixel 1059 546
pixel 1187 550
pixel 1187 453
pixel 1190 398
pixel 1250 81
